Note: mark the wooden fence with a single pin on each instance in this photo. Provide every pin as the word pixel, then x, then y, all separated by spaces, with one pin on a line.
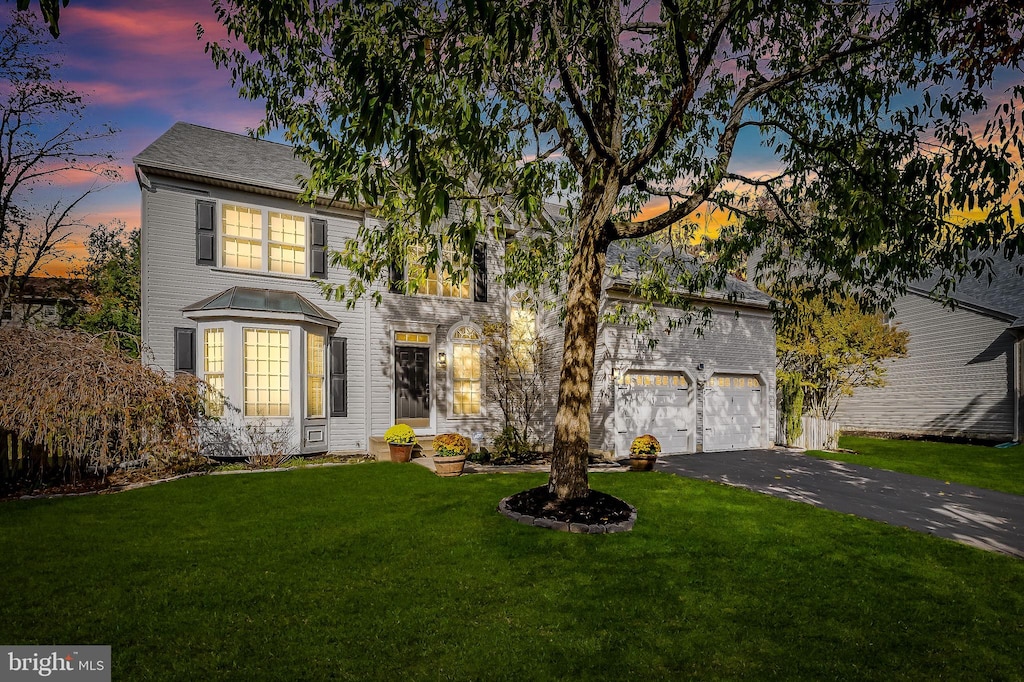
pixel 19 458
pixel 818 434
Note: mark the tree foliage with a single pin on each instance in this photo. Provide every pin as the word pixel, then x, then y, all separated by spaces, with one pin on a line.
pixel 463 117
pixel 42 144
pixel 112 281
pixel 835 347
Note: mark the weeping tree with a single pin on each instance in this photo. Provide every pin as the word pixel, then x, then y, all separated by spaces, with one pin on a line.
pixel 461 118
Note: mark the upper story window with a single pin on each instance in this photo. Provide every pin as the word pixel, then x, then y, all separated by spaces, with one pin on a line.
pixel 251 237
pixel 437 281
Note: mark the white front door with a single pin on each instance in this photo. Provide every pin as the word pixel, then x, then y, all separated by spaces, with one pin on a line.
pixel 732 413
pixel 658 403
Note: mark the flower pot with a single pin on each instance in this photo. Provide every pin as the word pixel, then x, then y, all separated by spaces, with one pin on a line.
pixel 642 462
pixel 400 452
pixel 449 466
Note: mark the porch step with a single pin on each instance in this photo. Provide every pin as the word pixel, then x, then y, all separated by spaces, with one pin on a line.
pixel 379 448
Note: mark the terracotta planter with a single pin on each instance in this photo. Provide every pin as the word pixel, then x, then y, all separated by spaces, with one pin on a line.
pixel 642 462
pixel 449 466
pixel 400 452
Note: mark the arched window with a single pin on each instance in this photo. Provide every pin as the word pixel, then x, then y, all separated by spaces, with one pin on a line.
pixel 522 332
pixel 466 372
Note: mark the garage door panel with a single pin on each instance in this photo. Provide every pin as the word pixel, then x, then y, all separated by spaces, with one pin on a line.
pixel 661 404
pixel 732 413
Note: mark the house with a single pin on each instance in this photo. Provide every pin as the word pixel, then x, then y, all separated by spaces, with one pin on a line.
pixel 963 373
pixel 41 299
pixel 230 266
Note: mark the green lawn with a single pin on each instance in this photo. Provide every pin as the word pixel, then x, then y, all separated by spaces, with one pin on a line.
pixel 384 571
pixel 985 467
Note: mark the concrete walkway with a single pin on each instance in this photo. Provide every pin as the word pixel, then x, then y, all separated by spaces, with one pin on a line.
pixel 974 516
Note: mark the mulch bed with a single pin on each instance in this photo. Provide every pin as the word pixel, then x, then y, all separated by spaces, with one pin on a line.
pixel 595 508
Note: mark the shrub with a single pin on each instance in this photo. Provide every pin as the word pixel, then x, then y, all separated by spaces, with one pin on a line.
pixel 400 434
pixel 82 397
pixel 510 448
pixel 451 445
pixel 645 446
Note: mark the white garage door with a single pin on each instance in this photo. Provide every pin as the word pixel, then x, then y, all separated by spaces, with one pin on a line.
pixel 658 403
pixel 732 413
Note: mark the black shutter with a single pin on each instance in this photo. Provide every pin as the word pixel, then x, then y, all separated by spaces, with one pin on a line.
pixel 319 244
pixel 395 276
pixel 185 350
pixel 339 377
pixel 480 272
pixel 206 232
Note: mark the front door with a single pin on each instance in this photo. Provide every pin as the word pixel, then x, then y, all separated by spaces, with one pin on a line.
pixel 412 386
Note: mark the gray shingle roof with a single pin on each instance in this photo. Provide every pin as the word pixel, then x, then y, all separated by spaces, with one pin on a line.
pixel 734 290
pixel 1004 294
pixel 194 150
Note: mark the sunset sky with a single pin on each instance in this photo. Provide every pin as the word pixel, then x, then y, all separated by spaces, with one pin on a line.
pixel 141 68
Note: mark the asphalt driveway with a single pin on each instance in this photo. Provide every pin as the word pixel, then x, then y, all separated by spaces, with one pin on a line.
pixel 982 518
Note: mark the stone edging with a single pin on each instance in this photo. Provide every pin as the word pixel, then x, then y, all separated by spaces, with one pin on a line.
pixel 565 527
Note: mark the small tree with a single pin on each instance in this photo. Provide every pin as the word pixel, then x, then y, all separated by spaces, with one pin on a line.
pixel 791 397
pixel 515 382
pixel 41 141
pixel 836 347
pixel 112 292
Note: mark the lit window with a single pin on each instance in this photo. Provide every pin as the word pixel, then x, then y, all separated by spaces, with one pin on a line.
pixel 427 282
pixel 466 374
pixel 213 371
pixel 244 231
pixel 287 245
pixel 243 235
pixel 267 385
pixel 523 332
pixel 314 376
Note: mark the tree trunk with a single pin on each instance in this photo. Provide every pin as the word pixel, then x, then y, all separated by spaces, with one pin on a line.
pixel 575 390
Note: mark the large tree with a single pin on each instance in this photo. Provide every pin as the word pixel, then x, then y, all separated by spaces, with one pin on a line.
pixel 43 145
pixel 460 117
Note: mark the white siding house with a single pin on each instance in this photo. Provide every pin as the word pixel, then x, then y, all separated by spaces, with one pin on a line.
pixel 230 266
pixel 963 374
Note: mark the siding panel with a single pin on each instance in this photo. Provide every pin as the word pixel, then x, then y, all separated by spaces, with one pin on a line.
pixel 957 378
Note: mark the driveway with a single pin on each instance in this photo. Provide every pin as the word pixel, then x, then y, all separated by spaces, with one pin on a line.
pixel 974 516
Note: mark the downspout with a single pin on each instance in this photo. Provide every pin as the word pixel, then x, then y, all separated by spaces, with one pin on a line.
pixel 1018 390
pixel 367 388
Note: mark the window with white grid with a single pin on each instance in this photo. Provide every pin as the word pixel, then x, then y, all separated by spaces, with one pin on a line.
pixel 242 237
pixel 266 373
pixel 466 372
pixel 429 281
pixel 213 371
pixel 523 332
pixel 287 243
pixel 314 376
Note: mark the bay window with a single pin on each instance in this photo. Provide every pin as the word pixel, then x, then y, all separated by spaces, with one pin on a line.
pixel 266 384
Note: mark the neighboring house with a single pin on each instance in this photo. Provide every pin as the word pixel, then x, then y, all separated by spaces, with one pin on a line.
pixel 40 300
pixel 963 373
pixel 230 265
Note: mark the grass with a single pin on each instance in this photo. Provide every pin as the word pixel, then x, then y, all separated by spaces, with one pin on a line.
pixel 977 465
pixel 384 571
